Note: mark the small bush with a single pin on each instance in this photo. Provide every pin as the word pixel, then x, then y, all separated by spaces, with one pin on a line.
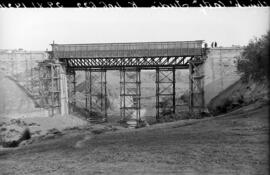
pixel 25 135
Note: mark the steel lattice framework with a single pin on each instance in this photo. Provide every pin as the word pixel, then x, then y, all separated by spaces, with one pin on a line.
pixel 130 93
pixel 119 63
pixel 96 91
pixel 165 92
pixel 49 87
pixel 130 59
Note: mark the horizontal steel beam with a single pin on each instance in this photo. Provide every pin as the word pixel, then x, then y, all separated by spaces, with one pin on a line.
pixel 125 63
pixel 119 68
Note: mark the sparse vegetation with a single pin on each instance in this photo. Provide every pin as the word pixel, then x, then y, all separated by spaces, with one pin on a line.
pixel 26 135
pixel 254 60
pixel 253 65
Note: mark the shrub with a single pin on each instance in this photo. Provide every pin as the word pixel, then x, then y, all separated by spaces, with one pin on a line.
pixel 25 135
pixel 253 63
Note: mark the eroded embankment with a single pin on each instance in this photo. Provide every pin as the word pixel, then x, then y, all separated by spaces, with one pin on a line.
pixel 238 95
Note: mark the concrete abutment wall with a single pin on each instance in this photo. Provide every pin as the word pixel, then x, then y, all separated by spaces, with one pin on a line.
pixel 220 70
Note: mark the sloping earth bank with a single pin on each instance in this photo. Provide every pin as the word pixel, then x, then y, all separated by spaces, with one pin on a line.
pixel 239 94
pixel 18 112
pixel 234 143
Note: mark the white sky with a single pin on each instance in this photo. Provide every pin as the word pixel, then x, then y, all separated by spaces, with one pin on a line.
pixel 35 29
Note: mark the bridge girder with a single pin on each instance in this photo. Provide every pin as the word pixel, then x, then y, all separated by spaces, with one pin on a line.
pixel 120 63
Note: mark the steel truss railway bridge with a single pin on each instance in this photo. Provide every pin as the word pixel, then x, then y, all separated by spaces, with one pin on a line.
pixel 58 82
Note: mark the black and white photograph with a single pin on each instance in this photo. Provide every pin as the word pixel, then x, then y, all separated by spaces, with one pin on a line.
pixel 127 91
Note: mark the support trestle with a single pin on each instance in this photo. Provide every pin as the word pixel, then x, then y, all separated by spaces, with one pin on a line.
pixel 49 90
pixel 130 94
pixel 96 101
pixel 165 93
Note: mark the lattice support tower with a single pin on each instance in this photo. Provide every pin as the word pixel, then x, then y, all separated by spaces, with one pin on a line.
pixel 165 92
pixel 49 87
pixel 130 96
pixel 96 92
pixel 196 87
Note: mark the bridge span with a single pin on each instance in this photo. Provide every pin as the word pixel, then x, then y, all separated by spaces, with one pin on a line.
pixel 129 59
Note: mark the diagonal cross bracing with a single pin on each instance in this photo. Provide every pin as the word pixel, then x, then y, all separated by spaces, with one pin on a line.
pixel 119 63
pixel 96 92
pixel 130 94
pixel 165 92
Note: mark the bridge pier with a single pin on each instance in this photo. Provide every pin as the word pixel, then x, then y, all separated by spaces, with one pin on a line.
pixel 71 84
pixel 165 92
pixel 96 91
pixel 63 91
pixel 196 88
pixel 130 96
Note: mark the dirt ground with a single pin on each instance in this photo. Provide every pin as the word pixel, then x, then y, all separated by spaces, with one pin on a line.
pixel 234 143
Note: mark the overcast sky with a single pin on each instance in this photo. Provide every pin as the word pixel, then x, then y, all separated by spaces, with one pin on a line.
pixel 35 29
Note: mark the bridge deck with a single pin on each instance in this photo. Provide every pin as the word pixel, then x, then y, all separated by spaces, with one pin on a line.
pixel 141 54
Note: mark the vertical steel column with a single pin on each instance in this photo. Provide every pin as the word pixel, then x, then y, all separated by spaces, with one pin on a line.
pixel 165 93
pixel 103 84
pixel 130 94
pixel 138 87
pixel 157 95
pixel 190 88
pixel 105 98
pixel 122 97
pixel 174 94
pixel 55 91
pixel 90 91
